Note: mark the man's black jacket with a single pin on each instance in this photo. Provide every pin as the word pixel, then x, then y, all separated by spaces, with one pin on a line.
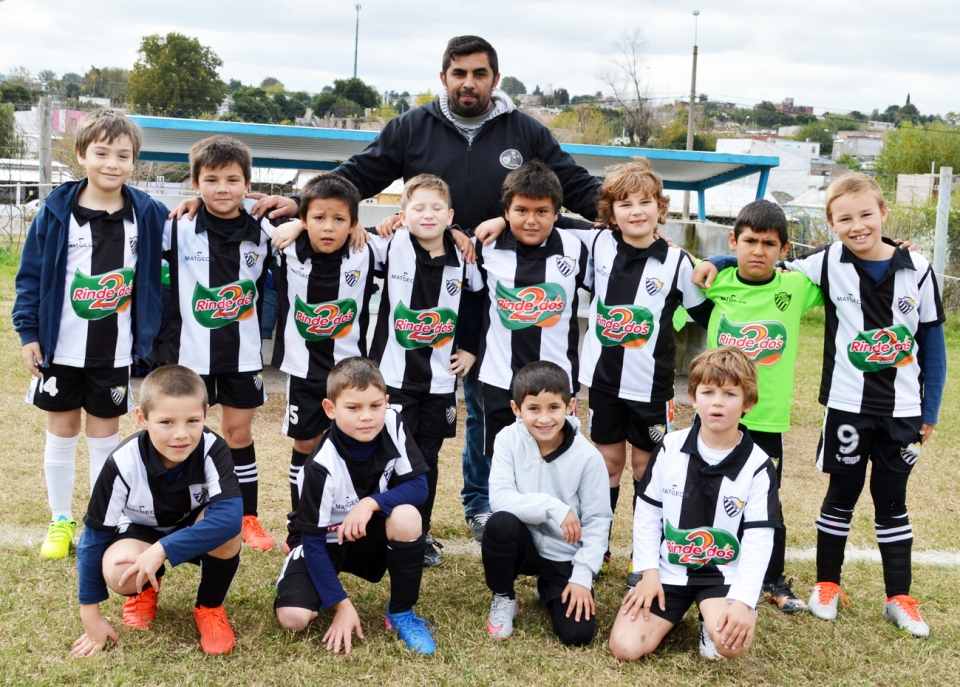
pixel 424 141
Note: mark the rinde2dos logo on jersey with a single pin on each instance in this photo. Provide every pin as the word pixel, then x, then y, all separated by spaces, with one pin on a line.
pixel 699 547
pixel 101 295
pixel 630 326
pixel 881 349
pixel 320 321
pixel 222 305
pixel 762 342
pixel 420 328
pixel 527 306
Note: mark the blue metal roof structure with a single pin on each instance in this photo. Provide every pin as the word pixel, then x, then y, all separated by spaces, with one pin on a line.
pixel 168 140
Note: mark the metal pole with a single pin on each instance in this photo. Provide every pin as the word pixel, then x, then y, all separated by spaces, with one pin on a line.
pixel 690 115
pixel 943 217
pixel 356 43
pixel 46 148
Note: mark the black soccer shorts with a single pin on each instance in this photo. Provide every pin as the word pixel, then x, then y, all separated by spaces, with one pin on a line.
pixel 101 391
pixel 426 414
pixel 305 419
pixel 613 419
pixel 849 440
pixel 236 389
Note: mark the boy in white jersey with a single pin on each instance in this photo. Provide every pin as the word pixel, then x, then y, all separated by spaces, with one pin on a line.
pixel 218 265
pixel 703 528
pixel 88 305
pixel 422 343
pixel 532 274
pixel 884 367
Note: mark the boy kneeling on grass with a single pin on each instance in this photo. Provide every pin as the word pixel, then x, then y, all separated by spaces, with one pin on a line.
pixel 357 513
pixel 168 493
pixel 703 527
pixel 551 509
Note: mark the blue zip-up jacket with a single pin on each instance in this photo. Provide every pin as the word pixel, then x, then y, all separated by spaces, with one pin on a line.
pixel 42 276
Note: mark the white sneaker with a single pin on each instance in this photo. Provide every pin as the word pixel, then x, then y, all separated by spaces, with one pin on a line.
pixel 901 610
pixel 824 600
pixel 707 648
pixel 503 610
pixel 478 524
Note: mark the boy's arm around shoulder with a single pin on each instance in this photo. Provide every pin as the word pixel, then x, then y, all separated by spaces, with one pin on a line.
pixel 531 508
pixel 595 516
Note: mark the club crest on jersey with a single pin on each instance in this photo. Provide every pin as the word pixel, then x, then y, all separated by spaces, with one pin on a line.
pixel 566 265
pixel 881 349
pixel 320 321
pixel 118 393
pixel 657 432
pixel 258 381
pixel 527 306
pixel 451 415
pixel 351 277
pixel 699 547
pixel 134 243
pixel 454 286
pixel 250 258
pixel 224 305
pixel 910 453
pixel 630 326
pixel 199 493
pixel 421 328
pixel 763 342
pixel 906 304
pixel 101 295
pixel 511 158
pixel 732 506
pixel 782 300
pixel 653 286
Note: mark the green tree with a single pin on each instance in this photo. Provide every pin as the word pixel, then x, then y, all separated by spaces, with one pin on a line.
pixel 336 106
pixel 537 91
pixel 402 105
pixel 850 161
pixel 818 132
pixel 357 91
pixel 106 82
pixel 910 150
pixel 234 85
pixel 176 73
pixel 16 94
pixel 11 145
pixel 558 98
pixel 290 108
pixel 512 86
pixel 254 105
pixel 766 116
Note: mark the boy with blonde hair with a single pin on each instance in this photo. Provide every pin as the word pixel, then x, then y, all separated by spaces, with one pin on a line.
pixel 88 306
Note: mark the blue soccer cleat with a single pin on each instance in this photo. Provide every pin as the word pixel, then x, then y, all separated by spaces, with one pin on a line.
pixel 416 632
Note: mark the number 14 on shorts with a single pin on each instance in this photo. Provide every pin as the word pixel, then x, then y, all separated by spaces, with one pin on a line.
pixel 37 384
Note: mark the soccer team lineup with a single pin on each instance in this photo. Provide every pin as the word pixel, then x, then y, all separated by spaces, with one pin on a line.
pixel 478 282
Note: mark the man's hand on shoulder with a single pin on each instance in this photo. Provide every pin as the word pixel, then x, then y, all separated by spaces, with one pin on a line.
pixel 276 206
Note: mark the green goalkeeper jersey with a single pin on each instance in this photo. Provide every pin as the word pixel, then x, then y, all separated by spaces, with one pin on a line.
pixel 763 320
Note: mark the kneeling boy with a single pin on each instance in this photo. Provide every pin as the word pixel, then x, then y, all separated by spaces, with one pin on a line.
pixel 168 493
pixel 551 511
pixel 357 513
pixel 703 527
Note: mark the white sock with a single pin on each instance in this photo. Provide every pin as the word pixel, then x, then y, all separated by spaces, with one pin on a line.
pixel 59 461
pixel 100 449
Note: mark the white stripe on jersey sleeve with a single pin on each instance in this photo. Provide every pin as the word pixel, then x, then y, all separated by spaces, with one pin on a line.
pixel 811 265
pixel 929 307
pixel 692 295
pixel 210 471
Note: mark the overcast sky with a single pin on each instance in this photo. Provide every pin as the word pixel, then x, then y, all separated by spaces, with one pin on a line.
pixel 835 55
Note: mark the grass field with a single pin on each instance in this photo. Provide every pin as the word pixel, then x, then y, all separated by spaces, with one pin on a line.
pixel 39 615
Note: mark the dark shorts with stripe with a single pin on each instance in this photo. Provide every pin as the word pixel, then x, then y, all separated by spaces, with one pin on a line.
pixel 613 419
pixel 305 419
pixel 236 389
pixel 101 391
pixel 849 440
pixel 430 415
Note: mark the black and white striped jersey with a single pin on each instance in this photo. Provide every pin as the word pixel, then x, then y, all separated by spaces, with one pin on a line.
pixel 419 310
pixel 133 487
pixel 324 301
pixel 217 271
pixel 96 325
pixel 628 349
pixel 707 519
pixel 332 482
pixel 870 353
pixel 532 310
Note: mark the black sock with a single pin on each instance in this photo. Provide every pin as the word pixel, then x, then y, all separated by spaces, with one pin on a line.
pixel 297 461
pixel 896 555
pixel 405 564
pixel 216 574
pixel 833 527
pixel 245 465
pixel 778 555
pixel 614 497
pixel 430 449
pixel 637 490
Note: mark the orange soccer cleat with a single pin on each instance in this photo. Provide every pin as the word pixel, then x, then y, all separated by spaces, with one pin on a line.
pixel 140 610
pixel 216 635
pixel 255 535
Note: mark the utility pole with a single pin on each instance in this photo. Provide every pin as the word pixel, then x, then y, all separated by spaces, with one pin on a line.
pixel 46 148
pixel 943 218
pixel 690 117
pixel 356 42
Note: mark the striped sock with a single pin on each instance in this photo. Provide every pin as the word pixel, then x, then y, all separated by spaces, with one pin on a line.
pixel 833 528
pixel 245 465
pixel 297 461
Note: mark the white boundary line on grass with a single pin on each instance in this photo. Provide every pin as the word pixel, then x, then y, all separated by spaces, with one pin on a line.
pixel 12 536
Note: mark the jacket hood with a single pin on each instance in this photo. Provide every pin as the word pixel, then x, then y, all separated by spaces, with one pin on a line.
pixel 59 200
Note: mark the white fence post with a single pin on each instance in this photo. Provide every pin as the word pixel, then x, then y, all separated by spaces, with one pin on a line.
pixel 943 218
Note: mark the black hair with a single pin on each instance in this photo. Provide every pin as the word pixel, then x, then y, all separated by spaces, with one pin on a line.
pixel 327 185
pixel 353 373
pixel 171 381
pixel 533 180
pixel 469 45
pixel 538 377
pixel 762 216
pixel 217 152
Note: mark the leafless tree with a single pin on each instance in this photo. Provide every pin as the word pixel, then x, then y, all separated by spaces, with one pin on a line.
pixel 622 74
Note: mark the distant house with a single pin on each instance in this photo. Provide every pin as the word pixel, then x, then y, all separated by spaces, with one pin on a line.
pixel 790 177
pixel 20 179
pixel 919 188
pixel 863 145
pixel 787 107
pixel 28 125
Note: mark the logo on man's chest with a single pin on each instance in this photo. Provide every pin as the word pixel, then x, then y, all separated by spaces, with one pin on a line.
pixel 511 158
